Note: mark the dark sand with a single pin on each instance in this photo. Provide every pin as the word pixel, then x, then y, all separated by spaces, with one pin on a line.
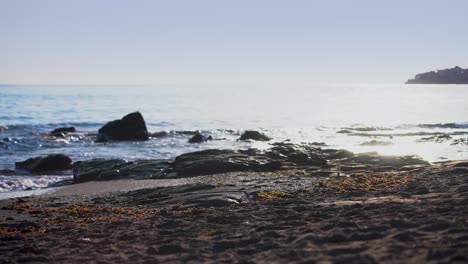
pixel 289 216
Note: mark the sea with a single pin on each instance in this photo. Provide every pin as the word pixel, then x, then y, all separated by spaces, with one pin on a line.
pixel 430 121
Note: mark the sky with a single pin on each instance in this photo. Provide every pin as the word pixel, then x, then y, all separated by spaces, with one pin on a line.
pixel 242 42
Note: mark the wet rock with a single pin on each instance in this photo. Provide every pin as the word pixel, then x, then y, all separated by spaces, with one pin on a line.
pixel 62 130
pixel 55 162
pixel 373 158
pixel 301 158
pixel 436 138
pixel 215 161
pixel 99 169
pixel 211 162
pixel 3 128
pixel 374 143
pixel 130 127
pixel 460 141
pixel 254 135
pixel 188 196
pixel 303 154
pixel 7 172
pixel 188 132
pixel 318 144
pixel 199 138
pixel 160 134
pixel 344 131
pixel 333 154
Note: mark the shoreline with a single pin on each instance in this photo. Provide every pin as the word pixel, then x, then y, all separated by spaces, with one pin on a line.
pixel 374 211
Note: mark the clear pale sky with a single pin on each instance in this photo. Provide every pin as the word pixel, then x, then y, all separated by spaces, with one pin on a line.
pixel 228 42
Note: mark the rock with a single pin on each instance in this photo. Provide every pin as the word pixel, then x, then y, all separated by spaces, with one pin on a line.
pixel 188 196
pixel 3 128
pixel 318 144
pixel 333 154
pixel 213 161
pixel 455 75
pixel 62 130
pixel 254 135
pixel 55 162
pixel 373 158
pixel 7 172
pixel 130 127
pixel 374 143
pixel 303 154
pixel 460 141
pixel 187 132
pixel 436 138
pixel 199 138
pixel 302 158
pixel 159 134
pixel 99 169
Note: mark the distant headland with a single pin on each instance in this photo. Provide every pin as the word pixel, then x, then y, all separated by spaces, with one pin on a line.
pixel 455 75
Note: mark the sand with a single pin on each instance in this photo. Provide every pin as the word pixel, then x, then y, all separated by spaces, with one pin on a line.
pixel 246 217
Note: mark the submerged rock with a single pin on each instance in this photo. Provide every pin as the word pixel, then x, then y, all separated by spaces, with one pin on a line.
pixel 374 143
pixel 436 138
pixel 159 134
pixel 254 135
pixel 199 138
pixel 55 162
pixel 130 127
pixel 62 130
pixel 459 141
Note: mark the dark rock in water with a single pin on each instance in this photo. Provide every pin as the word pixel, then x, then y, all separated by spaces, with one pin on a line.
pixel 7 172
pixel 130 127
pixel 436 138
pixel 3 128
pixel 455 75
pixel 319 144
pixel 374 143
pixel 460 141
pixel 159 134
pixel 199 138
pixel 188 132
pixel 344 131
pixel 254 135
pixel 99 169
pixel 55 162
pixel 62 130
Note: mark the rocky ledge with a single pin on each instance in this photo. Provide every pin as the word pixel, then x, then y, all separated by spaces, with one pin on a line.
pixel 455 75
pixel 281 156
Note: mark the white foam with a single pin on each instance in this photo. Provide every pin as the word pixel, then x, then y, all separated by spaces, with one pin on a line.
pixel 23 183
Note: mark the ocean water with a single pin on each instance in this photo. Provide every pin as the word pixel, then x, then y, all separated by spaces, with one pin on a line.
pixel 343 116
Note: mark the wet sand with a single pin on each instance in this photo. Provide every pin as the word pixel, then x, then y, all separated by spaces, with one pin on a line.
pixel 248 217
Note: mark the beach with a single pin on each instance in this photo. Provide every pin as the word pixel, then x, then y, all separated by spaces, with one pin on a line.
pixel 389 213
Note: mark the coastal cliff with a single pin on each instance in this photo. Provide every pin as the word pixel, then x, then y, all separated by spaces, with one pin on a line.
pixel 455 75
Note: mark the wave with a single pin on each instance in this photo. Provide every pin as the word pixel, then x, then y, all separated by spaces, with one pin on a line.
pixel 21 183
pixel 409 134
pixel 436 125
